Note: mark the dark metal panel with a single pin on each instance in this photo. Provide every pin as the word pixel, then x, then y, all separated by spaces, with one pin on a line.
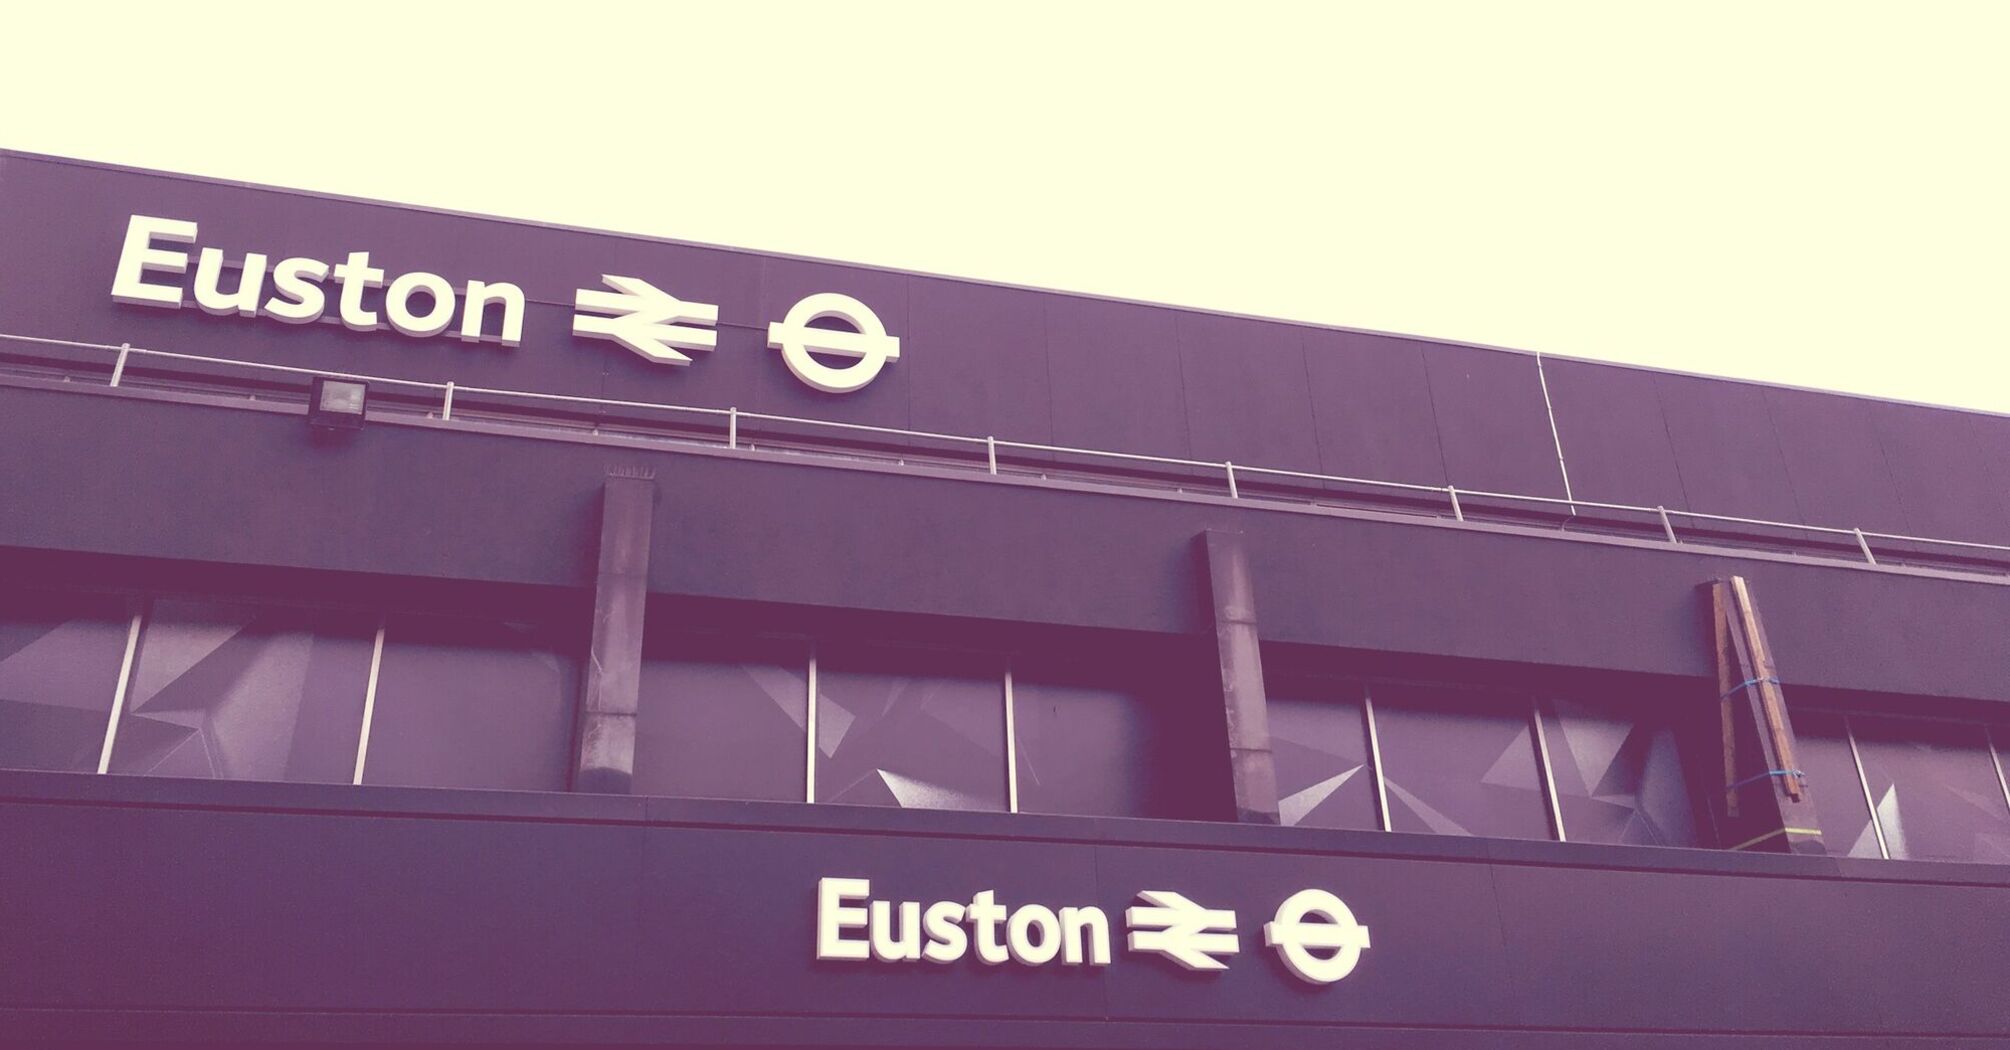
pixel 1830 445
pixel 1491 421
pixel 1371 401
pixel 1246 399
pixel 1614 437
pixel 977 355
pixel 1115 377
pixel 1724 445
pixel 1951 470
pixel 1599 949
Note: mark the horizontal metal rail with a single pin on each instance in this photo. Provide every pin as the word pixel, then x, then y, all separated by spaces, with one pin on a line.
pixel 1235 478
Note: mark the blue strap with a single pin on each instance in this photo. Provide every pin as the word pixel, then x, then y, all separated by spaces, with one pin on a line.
pixel 1747 684
pixel 1767 773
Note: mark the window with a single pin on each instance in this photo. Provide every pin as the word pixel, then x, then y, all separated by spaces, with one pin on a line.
pixel 1083 745
pixel 1319 742
pixel 1459 762
pixel 723 716
pixel 241 692
pixel 1618 776
pixel 59 670
pixel 1934 789
pixel 911 728
pixel 472 703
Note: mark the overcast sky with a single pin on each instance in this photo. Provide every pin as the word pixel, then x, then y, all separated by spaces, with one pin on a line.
pixel 1800 192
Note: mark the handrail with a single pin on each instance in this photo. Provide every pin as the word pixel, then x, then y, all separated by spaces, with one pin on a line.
pixel 1232 473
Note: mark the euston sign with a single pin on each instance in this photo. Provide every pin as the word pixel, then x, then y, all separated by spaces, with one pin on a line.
pixel 653 323
pixel 1315 934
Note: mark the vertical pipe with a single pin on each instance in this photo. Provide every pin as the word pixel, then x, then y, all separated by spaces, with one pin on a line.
pixel 733 427
pixel 119 691
pixel 119 366
pixel 447 403
pixel 1011 747
pixel 1667 526
pixel 991 453
pixel 369 703
pixel 1457 511
pixel 1542 766
pixel 1375 760
pixel 1232 493
pixel 1864 545
pixel 810 727
pixel 1863 782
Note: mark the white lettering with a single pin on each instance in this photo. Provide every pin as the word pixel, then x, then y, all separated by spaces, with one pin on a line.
pixel 209 278
pixel 1024 946
pixel 299 280
pixel 1077 922
pixel 945 931
pixel 985 913
pixel 398 304
pixel 885 946
pixel 834 916
pixel 139 256
pixel 474 311
pixel 946 940
pixel 355 276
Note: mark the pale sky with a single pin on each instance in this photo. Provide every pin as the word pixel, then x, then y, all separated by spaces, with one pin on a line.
pixel 1810 193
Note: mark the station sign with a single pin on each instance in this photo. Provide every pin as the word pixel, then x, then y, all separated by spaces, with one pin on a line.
pixel 1314 933
pixel 632 312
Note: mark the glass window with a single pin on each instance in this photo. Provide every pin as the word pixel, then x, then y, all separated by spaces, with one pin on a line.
pixel 1458 762
pixel 1081 748
pixel 472 703
pixel 1618 777
pixel 1935 789
pixel 59 666
pixel 241 692
pixel 1320 745
pixel 1821 749
pixel 911 728
pixel 722 717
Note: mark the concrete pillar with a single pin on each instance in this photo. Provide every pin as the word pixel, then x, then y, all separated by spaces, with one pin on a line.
pixel 1232 599
pixel 605 760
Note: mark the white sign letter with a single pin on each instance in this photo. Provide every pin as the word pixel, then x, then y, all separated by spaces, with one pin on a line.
pixel 398 304
pixel 834 917
pixel 129 284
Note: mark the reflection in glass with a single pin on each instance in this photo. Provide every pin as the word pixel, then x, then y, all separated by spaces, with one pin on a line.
pixel 920 730
pixel 1320 744
pixel 1459 763
pixel 1935 790
pixel 1821 749
pixel 242 692
pixel 1618 778
pixel 472 703
pixel 722 717
pixel 59 666
pixel 1081 749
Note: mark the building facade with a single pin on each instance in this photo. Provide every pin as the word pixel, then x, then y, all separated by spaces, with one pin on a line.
pixel 425 628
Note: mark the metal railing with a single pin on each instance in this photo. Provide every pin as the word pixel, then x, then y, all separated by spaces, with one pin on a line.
pixel 737 429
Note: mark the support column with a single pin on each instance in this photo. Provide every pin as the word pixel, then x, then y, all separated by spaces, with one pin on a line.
pixel 605 760
pixel 1762 804
pixel 1232 599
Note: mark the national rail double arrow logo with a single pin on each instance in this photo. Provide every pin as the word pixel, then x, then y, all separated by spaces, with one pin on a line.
pixel 661 327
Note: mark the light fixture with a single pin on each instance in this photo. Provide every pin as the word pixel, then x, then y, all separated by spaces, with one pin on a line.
pixel 337 404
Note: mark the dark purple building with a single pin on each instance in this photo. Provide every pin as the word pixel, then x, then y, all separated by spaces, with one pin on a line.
pixel 420 628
